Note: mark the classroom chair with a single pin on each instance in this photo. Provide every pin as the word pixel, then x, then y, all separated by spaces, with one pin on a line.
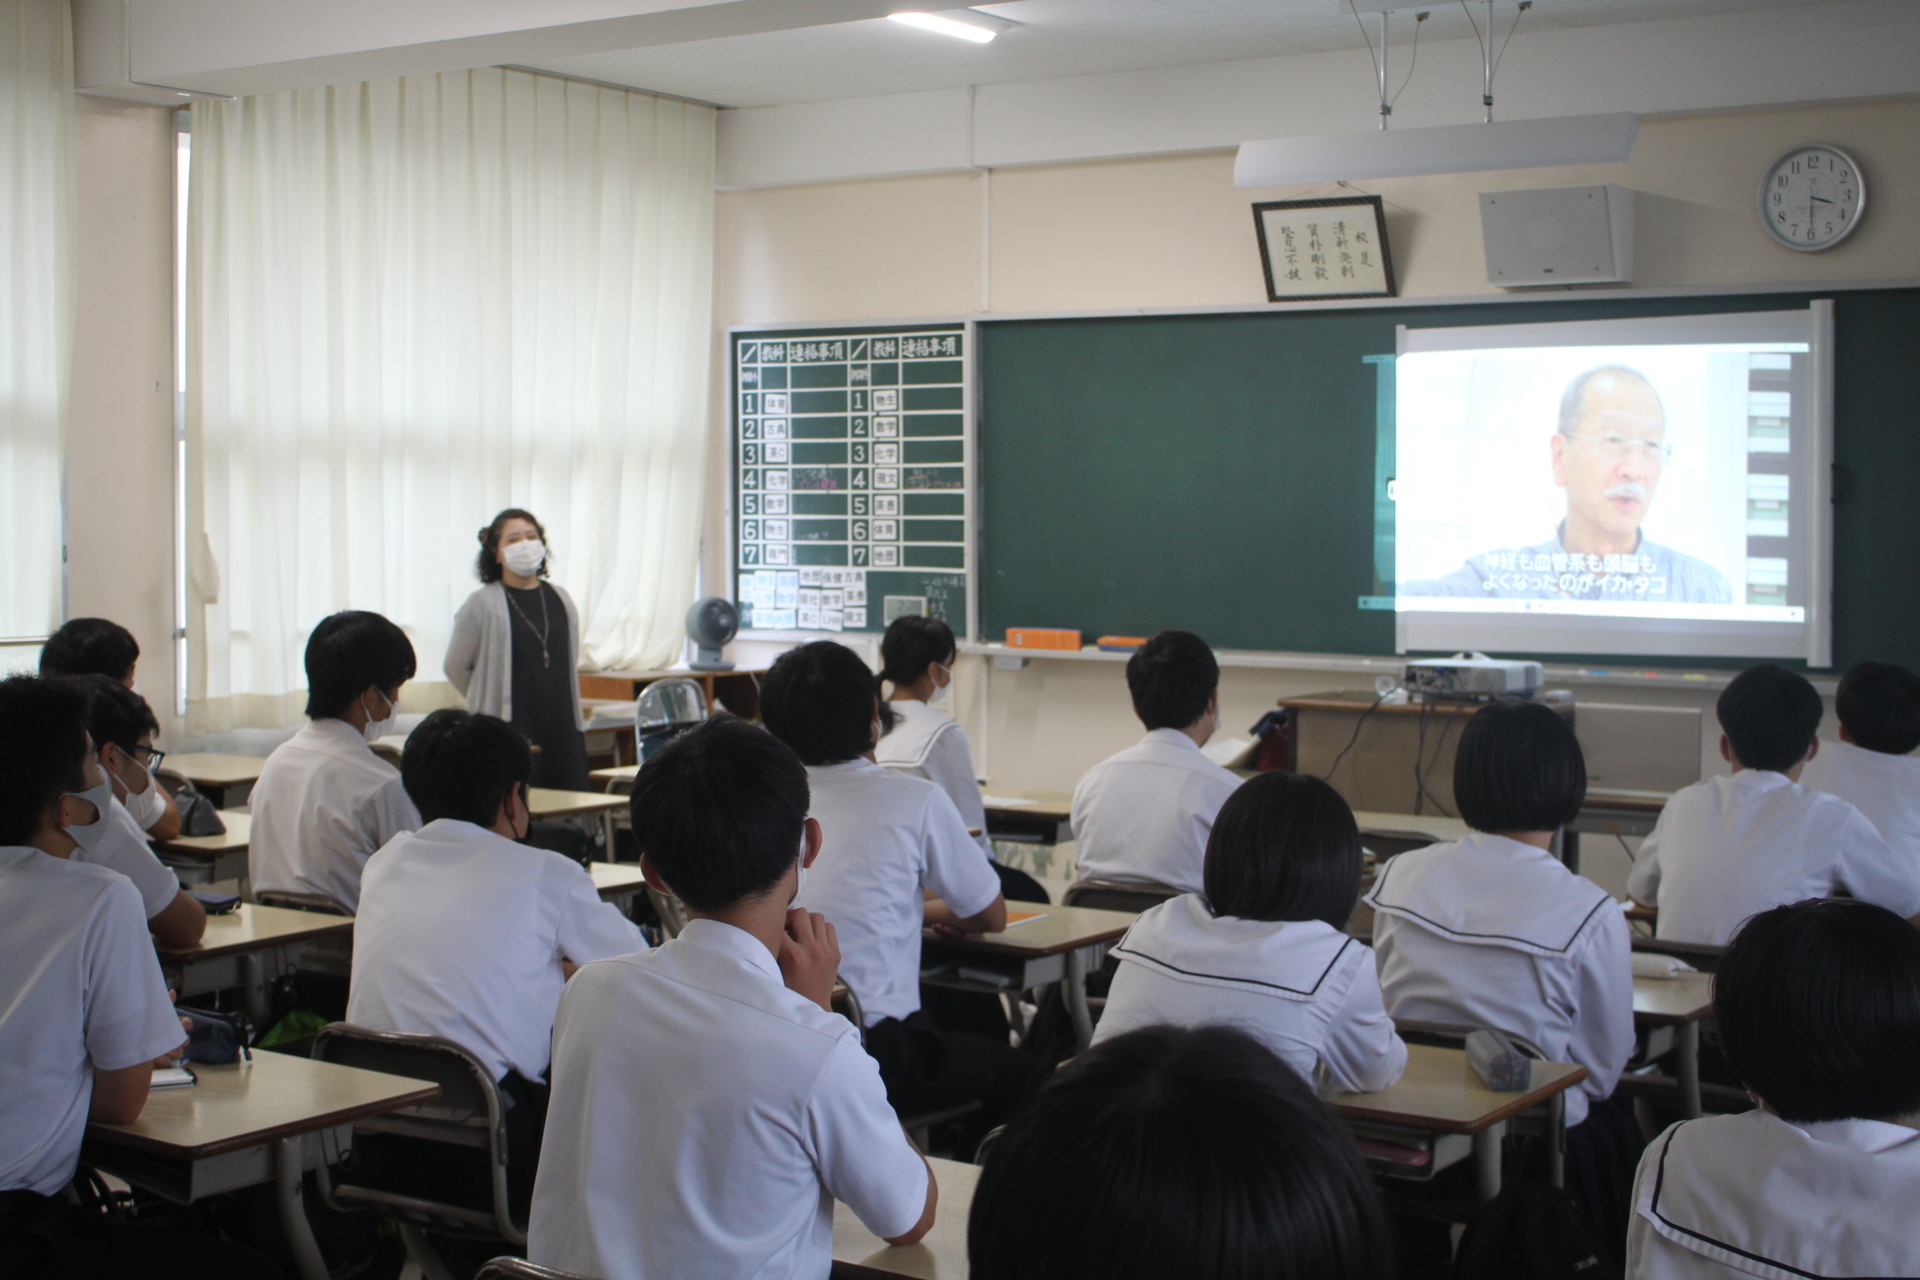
pixel 1115 895
pixel 673 916
pixel 847 1005
pixel 520 1269
pixel 470 1112
pixel 1550 1126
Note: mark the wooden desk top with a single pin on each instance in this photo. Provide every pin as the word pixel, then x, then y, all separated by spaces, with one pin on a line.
pixel 616 877
pixel 545 802
pixel 860 1254
pixel 249 1103
pixel 1058 930
pixel 251 927
pixel 619 773
pixel 1440 829
pixel 1037 804
pixel 239 830
pixel 1439 1092
pixel 1354 701
pixel 215 768
pixel 1670 1001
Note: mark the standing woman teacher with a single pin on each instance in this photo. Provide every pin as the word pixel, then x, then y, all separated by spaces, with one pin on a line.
pixel 515 651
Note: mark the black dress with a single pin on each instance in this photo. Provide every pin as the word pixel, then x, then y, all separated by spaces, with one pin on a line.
pixel 543 687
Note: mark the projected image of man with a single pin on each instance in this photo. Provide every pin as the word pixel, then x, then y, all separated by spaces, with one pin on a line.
pixel 1608 455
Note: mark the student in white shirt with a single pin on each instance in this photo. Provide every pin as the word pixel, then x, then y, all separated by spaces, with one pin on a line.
pixel 1176 1152
pixel 1873 767
pixel 708 1106
pixel 121 726
pixel 1494 931
pixel 1143 815
pixel 465 934
pixel 1264 949
pixel 1730 847
pixel 84 1013
pixel 916 658
pixel 1818 1006
pixel 325 801
pixel 97 646
pixel 897 859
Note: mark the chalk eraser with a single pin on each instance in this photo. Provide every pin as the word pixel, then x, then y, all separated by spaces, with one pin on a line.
pixel 1042 638
pixel 1120 644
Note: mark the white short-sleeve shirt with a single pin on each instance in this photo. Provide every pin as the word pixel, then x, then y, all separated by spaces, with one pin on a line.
pixel 80 988
pixel 1301 987
pixel 888 837
pixel 1490 932
pixel 1755 1195
pixel 1728 848
pixel 928 744
pixel 1884 787
pixel 705 1119
pixel 1145 814
pixel 125 849
pixel 323 804
pixel 461 933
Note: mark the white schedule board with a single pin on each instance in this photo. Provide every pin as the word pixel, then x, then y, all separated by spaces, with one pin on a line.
pixel 851 476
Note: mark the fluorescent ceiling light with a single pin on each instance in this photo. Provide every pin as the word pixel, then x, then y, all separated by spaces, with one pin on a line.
pixel 945 26
pixel 1453 148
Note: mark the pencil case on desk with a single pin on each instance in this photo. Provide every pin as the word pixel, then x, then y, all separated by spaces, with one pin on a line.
pixel 1500 1066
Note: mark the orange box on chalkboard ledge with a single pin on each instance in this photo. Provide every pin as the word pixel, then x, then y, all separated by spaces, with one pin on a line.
pixel 1042 638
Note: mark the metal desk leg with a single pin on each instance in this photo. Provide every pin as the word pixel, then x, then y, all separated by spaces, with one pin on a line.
pixel 1688 1035
pixel 288 1165
pixel 1487 1146
pixel 258 997
pixel 1074 988
pixel 1557 1140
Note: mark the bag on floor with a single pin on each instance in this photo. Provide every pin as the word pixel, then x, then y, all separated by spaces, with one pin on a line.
pixel 1533 1232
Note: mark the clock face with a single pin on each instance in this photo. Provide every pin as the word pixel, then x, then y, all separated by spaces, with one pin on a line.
pixel 1812 198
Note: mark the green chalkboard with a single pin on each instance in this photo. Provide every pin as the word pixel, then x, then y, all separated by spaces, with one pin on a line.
pixel 1217 472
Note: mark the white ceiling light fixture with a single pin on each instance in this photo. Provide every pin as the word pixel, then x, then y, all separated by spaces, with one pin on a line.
pixel 945 26
pixel 1460 148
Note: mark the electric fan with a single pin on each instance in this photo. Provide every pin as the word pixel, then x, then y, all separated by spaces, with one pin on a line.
pixel 710 624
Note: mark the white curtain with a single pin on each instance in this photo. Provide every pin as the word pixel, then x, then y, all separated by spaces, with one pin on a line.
pixel 36 321
pixel 414 302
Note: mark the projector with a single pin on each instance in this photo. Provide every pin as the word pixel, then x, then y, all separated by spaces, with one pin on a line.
pixel 1472 675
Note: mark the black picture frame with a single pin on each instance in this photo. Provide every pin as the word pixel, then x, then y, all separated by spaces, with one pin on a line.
pixel 1284 288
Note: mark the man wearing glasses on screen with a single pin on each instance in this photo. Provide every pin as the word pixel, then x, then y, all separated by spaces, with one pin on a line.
pixel 1607 455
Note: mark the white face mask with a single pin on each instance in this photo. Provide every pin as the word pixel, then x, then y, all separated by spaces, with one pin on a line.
pixel 942 699
pixel 376 729
pixel 88 837
pixel 802 882
pixel 146 806
pixel 525 558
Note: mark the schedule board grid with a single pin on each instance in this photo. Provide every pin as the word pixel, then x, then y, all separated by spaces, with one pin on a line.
pixel 852 494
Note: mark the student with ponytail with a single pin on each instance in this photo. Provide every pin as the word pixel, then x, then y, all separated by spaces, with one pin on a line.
pixel 917 656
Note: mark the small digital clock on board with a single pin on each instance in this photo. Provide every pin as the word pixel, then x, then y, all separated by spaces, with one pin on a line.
pixel 1812 198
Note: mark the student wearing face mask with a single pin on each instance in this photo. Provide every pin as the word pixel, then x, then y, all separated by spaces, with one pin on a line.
pixel 98 646
pixel 325 801
pixel 917 656
pixel 515 651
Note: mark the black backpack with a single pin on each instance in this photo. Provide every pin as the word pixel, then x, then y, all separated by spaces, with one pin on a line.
pixel 1533 1232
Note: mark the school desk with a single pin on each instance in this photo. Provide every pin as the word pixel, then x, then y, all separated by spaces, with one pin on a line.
pixel 617 780
pixel 268 1120
pixel 1059 945
pixel 1612 812
pixel 1439 1094
pixel 214 773
pixel 618 882
pixel 546 803
pixel 1015 813
pixel 858 1254
pixel 223 856
pixel 247 948
pixel 1682 1002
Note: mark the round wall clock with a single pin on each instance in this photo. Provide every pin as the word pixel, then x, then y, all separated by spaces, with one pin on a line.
pixel 1812 197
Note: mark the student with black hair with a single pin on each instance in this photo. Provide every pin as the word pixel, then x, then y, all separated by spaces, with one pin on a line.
pixel 708 1105
pixel 898 858
pixel 1494 931
pixel 121 727
pixel 91 646
pixel 84 1013
pixel 324 801
pixel 1727 848
pixel 1264 947
pixel 1175 1152
pixel 1142 816
pixel 465 933
pixel 1818 1006
pixel 1873 767
pixel 917 656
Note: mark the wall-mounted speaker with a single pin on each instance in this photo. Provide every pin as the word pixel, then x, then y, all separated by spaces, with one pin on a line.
pixel 1558 235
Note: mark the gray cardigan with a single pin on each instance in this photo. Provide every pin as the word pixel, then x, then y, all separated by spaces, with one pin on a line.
pixel 480 654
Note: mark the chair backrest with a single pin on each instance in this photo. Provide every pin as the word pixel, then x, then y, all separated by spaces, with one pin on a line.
pixel 521 1269
pixel 318 902
pixel 1115 895
pixel 469 1112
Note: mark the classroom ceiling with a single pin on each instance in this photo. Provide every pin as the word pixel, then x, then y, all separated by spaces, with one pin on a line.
pixel 1060 38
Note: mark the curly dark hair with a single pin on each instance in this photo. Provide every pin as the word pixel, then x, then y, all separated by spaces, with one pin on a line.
pixel 486 565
